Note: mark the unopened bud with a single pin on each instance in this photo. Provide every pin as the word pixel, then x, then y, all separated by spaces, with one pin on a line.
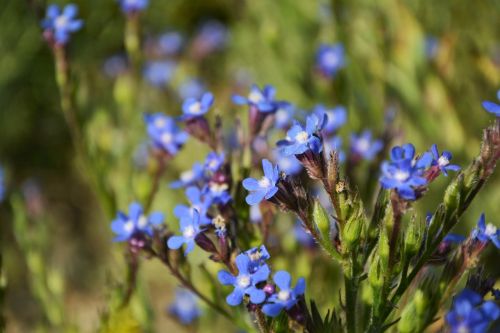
pixel 321 220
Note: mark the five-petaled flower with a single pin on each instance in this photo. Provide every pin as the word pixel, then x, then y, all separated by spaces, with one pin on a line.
pixel 132 6
pixel 190 227
pixel 330 59
pixel 164 133
pixel 299 139
pixel 286 297
pixel 443 161
pixel 404 172
pixel 200 203
pixel 470 314
pixel 486 232
pixel 264 188
pixel 193 107
pixel 214 161
pixel 125 226
pixel 363 146
pixel 185 306
pixel 491 107
pixel 58 25
pixel 245 282
pixel 263 99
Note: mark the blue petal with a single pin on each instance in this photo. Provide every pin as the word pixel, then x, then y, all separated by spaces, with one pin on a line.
pixel 300 287
pixel 175 242
pixel 255 197
pixel 272 310
pixel 239 100
pixel 282 280
pixel 271 193
pixel 268 168
pixel 242 262
pixel 492 107
pixel 134 211
pixel 156 218
pixel 257 296
pixel 207 99
pixel 235 297
pixel 70 10
pixel 261 274
pixel 491 310
pixel 225 278
pixel 189 247
pixel 251 184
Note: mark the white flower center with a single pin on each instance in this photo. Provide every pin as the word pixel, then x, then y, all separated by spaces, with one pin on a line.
pixel 255 97
pixel 218 188
pixel 281 115
pixel 302 137
pixel 129 226
pixel 363 145
pixel 243 281
pixel 490 230
pixel 195 108
pixel 255 256
pixel 166 138
pixel 185 304
pixel 265 182
pixel 213 164
pixel 142 222
pixel 401 175
pixel 284 295
pixel 443 161
pixel 331 59
pixel 187 175
pixel 61 22
pixel 189 232
pixel 160 122
pixel 463 329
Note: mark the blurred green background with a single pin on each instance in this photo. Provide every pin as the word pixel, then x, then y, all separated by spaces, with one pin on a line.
pixel 431 61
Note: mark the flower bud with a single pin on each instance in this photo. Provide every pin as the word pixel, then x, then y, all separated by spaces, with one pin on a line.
pixel 452 194
pixel 413 239
pixel 321 220
pixel 352 232
pixel 376 275
pixel 383 248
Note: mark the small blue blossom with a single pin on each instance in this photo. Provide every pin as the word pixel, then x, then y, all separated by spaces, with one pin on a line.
pixel 363 146
pixel 159 73
pixel 287 297
pixel 330 59
pixel 131 6
pixel 486 232
pixel 491 107
pixel 212 36
pixel 443 161
pixel 404 173
pixel 335 117
pixel 125 226
pixel 263 99
pixel 300 139
pixel 193 107
pixel 283 116
pixel 191 88
pixel 199 203
pixel 190 177
pixel 258 257
pixel 264 188
pixel 470 314
pixel 219 192
pixel 190 228
pixel 335 144
pixel 164 133
pixel 60 25
pixel 214 161
pixel 170 43
pixel 185 306
pixel 245 282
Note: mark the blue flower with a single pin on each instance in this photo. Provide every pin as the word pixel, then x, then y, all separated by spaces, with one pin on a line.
pixel 130 6
pixel 199 203
pixel 486 232
pixel 214 161
pixel 159 73
pixel 190 228
pixel 300 139
pixel 404 173
pixel 287 297
pixel 218 191
pixel 491 107
pixel 443 161
pixel 164 133
pixel 193 107
pixel 470 314
pixel 335 117
pixel 245 282
pixel 170 43
pixel 288 164
pixel 263 99
pixel 185 306
pixel 283 116
pixel 190 177
pixel 330 59
pixel 363 146
pixel 191 88
pixel 264 188
pixel 258 257
pixel 125 226
pixel 60 25
pixel 212 36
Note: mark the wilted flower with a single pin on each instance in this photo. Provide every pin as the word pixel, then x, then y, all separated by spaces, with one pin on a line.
pixel 190 227
pixel 286 297
pixel 125 226
pixel 164 133
pixel 185 306
pixel 470 314
pixel 58 26
pixel 245 282
pixel 264 188
pixel 330 59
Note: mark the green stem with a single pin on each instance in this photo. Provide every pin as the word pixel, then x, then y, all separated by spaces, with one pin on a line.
pixel 261 321
pixel 351 294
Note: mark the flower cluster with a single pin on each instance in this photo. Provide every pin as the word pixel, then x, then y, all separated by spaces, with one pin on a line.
pixel 470 313
pixel 58 26
pixel 164 133
pixel 251 281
